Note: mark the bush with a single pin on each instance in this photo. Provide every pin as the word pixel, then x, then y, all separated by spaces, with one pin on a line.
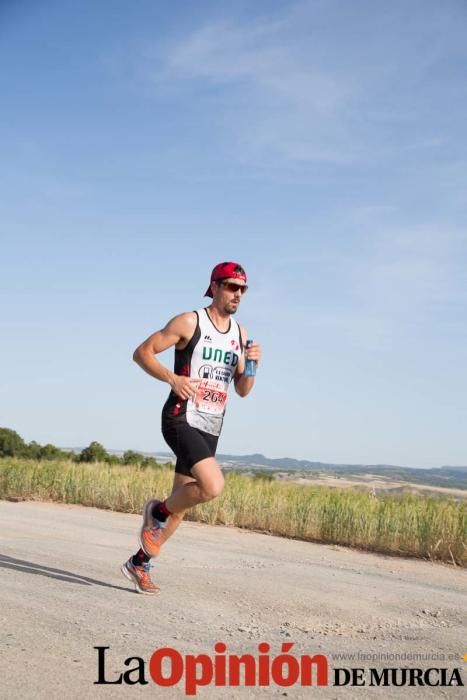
pixel 132 457
pixel 51 452
pixel 151 462
pixel 34 450
pixel 95 452
pixel 12 444
pixel 113 459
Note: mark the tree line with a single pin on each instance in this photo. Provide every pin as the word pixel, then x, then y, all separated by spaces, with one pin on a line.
pixel 13 445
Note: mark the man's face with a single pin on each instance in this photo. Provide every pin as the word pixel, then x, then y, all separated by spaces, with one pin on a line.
pixel 228 292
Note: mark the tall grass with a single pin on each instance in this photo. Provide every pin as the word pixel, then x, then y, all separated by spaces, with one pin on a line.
pixel 432 528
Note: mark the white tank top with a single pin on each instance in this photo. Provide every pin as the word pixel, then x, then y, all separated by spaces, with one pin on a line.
pixel 211 357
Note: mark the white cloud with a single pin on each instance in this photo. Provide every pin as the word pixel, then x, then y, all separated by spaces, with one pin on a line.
pixel 318 83
pixel 276 101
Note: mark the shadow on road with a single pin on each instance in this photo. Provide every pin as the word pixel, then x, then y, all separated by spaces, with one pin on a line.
pixel 28 567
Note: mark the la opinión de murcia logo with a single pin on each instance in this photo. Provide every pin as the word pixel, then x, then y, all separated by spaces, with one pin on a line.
pixel 167 667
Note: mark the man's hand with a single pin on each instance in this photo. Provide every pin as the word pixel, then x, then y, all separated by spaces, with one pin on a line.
pixel 253 352
pixel 184 387
pixel 244 384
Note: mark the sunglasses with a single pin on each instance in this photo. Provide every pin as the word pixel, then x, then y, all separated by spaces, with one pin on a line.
pixel 232 287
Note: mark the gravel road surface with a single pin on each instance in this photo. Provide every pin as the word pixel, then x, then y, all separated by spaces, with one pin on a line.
pixel 62 594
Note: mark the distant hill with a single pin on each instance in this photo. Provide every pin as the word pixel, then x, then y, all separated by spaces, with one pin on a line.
pixel 450 477
pixel 446 476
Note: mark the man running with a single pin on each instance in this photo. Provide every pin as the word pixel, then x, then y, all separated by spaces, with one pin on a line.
pixel 209 353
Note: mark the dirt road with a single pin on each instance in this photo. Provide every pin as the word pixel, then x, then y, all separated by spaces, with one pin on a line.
pixel 62 594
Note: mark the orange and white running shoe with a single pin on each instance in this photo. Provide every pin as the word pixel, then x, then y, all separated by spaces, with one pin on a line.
pixel 151 530
pixel 140 576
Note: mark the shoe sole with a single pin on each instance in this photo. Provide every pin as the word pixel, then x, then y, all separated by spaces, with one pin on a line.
pixel 138 589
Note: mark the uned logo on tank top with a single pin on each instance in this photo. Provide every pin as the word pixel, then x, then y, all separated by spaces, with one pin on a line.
pixel 217 355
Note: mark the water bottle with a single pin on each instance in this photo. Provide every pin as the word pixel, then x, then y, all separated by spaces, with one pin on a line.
pixel 250 365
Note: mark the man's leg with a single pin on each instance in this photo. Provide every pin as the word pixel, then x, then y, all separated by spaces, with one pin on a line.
pixel 180 481
pixel 207 483
pixel 134 569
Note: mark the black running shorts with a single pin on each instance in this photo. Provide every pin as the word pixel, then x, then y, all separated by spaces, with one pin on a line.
pixel 189 444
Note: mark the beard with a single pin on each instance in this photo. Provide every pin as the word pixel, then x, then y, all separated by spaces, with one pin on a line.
pixel 230 308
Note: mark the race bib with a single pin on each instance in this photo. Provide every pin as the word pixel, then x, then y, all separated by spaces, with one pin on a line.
pixel 210 397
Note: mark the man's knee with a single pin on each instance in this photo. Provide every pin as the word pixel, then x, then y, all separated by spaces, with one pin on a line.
pixel 211 489
pixel 209 479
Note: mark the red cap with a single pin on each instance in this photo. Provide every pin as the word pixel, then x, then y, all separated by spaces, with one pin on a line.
pixel 226 270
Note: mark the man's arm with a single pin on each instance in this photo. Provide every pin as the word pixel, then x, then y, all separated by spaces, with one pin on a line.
pixel 244 384
pixel 178 331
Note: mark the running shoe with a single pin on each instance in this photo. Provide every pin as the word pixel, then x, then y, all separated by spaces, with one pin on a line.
pixel 140 576
pixel 151 530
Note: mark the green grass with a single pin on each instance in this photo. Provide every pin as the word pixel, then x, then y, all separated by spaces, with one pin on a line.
pixel 433 528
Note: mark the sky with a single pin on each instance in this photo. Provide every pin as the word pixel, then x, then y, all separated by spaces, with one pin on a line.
pixel 321 144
